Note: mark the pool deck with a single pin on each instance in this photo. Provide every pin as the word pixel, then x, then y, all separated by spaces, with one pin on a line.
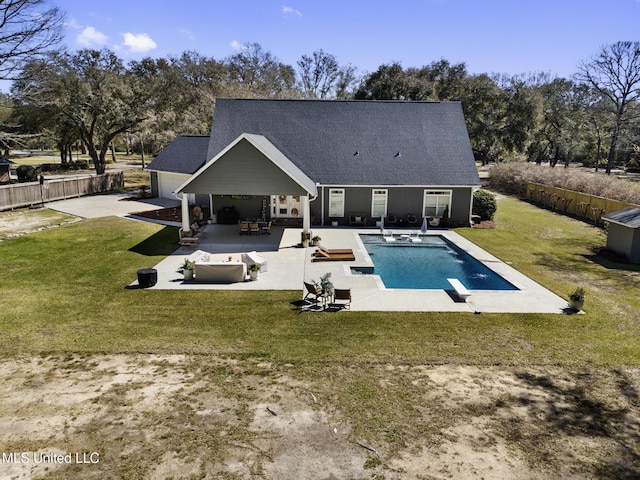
pixel 289 265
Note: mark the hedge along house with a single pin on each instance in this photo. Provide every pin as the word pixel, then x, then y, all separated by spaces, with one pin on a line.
pixel 327 162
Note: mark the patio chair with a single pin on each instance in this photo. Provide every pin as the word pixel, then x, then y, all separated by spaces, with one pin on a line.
pixel 244 228
pixel 343 295
pixel 254 228
pixel 412 219
pixel 266 228
pixel 312 290
pixel 391 220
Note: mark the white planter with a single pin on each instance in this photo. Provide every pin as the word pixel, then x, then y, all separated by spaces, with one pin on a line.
pixel 576 305
pixel 188 274
pixel 334 224
pixel 253 275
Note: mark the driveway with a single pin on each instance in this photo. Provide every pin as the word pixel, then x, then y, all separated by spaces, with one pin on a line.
pixel 112 204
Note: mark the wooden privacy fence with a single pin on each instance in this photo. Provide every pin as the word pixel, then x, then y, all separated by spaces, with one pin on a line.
pixel 32 193
pixel 581 205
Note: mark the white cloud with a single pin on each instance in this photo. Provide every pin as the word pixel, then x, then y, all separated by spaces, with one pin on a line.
pixel 237 46
pixel 90 37
pixel 291 11
pixel 139 43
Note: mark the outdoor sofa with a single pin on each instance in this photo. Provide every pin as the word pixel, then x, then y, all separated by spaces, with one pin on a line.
pixel 220 272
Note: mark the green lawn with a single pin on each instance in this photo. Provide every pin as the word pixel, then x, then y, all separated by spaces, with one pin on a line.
pixel 64 291
pixel 556 395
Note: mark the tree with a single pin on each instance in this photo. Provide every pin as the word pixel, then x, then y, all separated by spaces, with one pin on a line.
pixel 258 73
pixel 91 91
pixel 562 123
pixel 322 76
pixel 27 31
pixel 392 82
pixel 615 73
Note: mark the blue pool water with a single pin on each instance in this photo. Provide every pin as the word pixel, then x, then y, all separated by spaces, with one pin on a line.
pixel 427 265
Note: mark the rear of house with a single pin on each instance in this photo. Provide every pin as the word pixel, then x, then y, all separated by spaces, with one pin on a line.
pixel 339 162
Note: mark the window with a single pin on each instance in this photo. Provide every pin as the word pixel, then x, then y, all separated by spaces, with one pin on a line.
pixel 379 203
pixel 336 202
pixel 436 201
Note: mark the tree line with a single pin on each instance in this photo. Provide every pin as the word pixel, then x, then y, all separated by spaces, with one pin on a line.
pixel 92 99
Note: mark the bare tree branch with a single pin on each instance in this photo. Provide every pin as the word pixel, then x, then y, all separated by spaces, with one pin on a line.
pixel 28 29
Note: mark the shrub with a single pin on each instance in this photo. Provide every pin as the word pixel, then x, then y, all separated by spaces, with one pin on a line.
pixel 26 173
pixel 484 204
pixel 512 178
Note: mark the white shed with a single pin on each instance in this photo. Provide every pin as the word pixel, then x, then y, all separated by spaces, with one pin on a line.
pixel 624 233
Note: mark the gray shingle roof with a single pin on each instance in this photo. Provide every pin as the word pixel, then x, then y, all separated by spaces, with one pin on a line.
pixel 356 142
pixel 185 154
pixel 629 217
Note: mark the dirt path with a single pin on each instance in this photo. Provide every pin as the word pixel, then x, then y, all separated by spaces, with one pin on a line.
pixel 177 416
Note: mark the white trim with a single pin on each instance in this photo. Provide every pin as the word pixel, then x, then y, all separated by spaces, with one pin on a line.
pixel 435 187
pixel 341 193
pixel 380 191
pixel 440 192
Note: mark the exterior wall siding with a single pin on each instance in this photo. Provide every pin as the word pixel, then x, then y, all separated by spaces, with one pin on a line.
pixel 401 201
pixel 245 171
pixel 624 241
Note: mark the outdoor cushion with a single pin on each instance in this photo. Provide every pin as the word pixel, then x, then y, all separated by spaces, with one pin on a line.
pixel 199 256
pixel 254 257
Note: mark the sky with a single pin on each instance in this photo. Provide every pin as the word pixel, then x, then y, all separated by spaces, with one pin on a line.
pixel 489 36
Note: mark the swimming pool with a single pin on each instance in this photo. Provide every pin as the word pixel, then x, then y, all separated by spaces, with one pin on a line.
pixel 427 264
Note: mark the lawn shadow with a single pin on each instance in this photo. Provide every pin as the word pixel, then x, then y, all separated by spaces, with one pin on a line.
pixel 573 412
pixel 162 243
pixel 611 260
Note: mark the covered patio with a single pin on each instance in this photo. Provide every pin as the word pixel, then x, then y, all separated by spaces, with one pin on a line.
pixel 250 166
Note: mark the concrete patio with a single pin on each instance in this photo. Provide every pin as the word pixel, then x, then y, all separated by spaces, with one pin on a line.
pixel 289 265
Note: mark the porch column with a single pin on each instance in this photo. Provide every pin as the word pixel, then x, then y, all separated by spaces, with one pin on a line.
pixel 306 213
pixel 212 214
pixel 186 227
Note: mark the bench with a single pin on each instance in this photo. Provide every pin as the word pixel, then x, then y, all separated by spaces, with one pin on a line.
pixel 461 290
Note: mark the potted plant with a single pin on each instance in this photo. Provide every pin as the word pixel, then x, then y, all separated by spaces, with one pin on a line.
pixel 576 299
pixel 187 269
pixel 254 268
pixel 305 238
pixel 315 240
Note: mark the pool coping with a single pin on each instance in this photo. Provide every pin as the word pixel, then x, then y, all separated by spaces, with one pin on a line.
pixel 289 265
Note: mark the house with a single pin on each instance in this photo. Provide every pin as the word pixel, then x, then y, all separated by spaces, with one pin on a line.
pixel 623 234
pixel 326 162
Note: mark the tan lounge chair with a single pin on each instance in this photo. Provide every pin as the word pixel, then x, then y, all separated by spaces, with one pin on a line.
pixel 321 256
pixel 333 251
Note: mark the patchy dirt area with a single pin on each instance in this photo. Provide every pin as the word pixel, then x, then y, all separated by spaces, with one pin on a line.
pixel 179 416
pixel 21 222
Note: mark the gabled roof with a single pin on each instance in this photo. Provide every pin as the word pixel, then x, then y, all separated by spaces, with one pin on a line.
pixel 356 142
pixel 629 217
pixel 252 186
pixel 185 154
